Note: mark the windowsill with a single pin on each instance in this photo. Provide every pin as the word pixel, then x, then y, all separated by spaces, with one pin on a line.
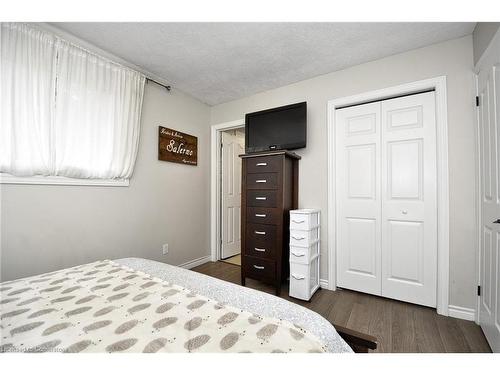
pixel 58 180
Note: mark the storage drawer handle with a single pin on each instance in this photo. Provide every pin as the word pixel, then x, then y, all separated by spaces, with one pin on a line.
pixel 260 181
pixel 261 198
pixel 260 164
pixel 298 238
pixel 261 250
pixel 260 232
pixel 258 267
pixel 297 277
pixel 298 221
pixel 298 254
pixel 260 215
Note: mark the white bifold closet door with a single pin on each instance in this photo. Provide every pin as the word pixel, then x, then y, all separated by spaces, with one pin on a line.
pixel 386 189
pixel 359 207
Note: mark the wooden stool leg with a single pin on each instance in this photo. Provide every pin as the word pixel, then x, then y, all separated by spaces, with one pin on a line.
pixel 278 288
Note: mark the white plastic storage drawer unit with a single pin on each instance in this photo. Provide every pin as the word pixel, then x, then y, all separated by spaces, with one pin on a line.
pixel 304 253
pixel 304 279
pixel 303 237
pixel 305 219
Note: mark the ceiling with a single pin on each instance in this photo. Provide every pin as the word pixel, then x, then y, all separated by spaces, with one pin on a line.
pixel 220 62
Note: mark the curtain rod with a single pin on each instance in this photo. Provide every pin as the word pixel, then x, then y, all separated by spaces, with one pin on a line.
pixel 167 87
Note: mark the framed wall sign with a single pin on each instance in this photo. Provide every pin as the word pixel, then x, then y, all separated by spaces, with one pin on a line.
pixel 177 147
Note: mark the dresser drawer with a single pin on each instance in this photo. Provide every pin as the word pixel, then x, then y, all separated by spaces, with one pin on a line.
pixel 262 198
pixel 266 251
pixel 262 181
pixel 263 215
pixel 259 269
pixel 262 236
pixel 264 164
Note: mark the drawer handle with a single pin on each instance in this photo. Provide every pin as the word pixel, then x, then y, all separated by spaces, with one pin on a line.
pixel 261 250
pixel 260 215
pixel 298 238
pixel 298 254
pixel 297 277
pixel 261 198
pixel 260 181
pixel 260 232
pixel 260 164
pixel 298 221
pixel 258 267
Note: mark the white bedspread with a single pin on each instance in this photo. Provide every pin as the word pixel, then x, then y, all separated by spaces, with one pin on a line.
pixel 248 299
pixel 110 307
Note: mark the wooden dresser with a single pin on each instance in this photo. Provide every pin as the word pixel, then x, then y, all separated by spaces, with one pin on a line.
pixel 269 192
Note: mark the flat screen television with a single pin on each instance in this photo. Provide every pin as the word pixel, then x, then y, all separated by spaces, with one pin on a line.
pixel 282 128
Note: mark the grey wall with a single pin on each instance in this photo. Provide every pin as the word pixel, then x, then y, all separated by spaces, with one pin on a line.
pixel 44 228
pixel 482 36
pixel 452 59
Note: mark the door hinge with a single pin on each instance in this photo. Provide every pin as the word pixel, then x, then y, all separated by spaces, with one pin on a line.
pixel 477 101
pixel 479 290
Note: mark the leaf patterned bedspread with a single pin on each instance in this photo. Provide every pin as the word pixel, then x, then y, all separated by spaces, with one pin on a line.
pixel 106 307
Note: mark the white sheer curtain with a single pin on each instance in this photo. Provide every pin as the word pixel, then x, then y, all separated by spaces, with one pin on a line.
pixel 74 114
pixel 27 68
pixel 97 116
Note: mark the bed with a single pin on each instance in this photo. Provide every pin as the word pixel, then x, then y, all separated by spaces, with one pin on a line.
pixel 139 305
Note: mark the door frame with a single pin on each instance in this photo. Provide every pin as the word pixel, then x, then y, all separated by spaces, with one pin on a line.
pixel 215 184
pixel 439 85
pixel 478 200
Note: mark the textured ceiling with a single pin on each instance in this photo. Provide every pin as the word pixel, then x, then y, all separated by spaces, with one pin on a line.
pixel 219 62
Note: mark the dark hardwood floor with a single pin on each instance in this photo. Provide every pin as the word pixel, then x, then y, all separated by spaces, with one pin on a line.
pixel 400 327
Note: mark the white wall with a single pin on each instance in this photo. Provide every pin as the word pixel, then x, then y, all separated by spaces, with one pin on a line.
pixel 45 228
pixel 453 59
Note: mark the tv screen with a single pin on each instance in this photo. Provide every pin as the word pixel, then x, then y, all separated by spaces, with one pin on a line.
pixel 282 128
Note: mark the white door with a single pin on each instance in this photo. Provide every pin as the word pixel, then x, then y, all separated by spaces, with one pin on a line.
pixel 232 146
pixel 386 198
pixel 357 166
pixel 489 120
pixel 409 199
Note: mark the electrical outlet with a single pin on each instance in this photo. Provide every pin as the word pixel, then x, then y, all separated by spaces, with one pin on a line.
pixel 165 248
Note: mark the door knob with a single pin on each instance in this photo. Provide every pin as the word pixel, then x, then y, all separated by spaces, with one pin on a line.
pixel 405 212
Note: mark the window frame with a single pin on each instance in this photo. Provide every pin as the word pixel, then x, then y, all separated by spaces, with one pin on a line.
pixel 8 179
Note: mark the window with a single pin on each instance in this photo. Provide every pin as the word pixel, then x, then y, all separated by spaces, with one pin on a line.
pixel 65 112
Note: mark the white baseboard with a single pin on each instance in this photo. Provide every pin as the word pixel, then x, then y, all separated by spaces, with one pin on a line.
pixel 462 312
pixel 323 283
pixel 196 262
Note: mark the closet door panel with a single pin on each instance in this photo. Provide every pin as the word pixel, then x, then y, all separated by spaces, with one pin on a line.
pixel 361 240
pixel 406 252
pixel 409 204
pixel 358 202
